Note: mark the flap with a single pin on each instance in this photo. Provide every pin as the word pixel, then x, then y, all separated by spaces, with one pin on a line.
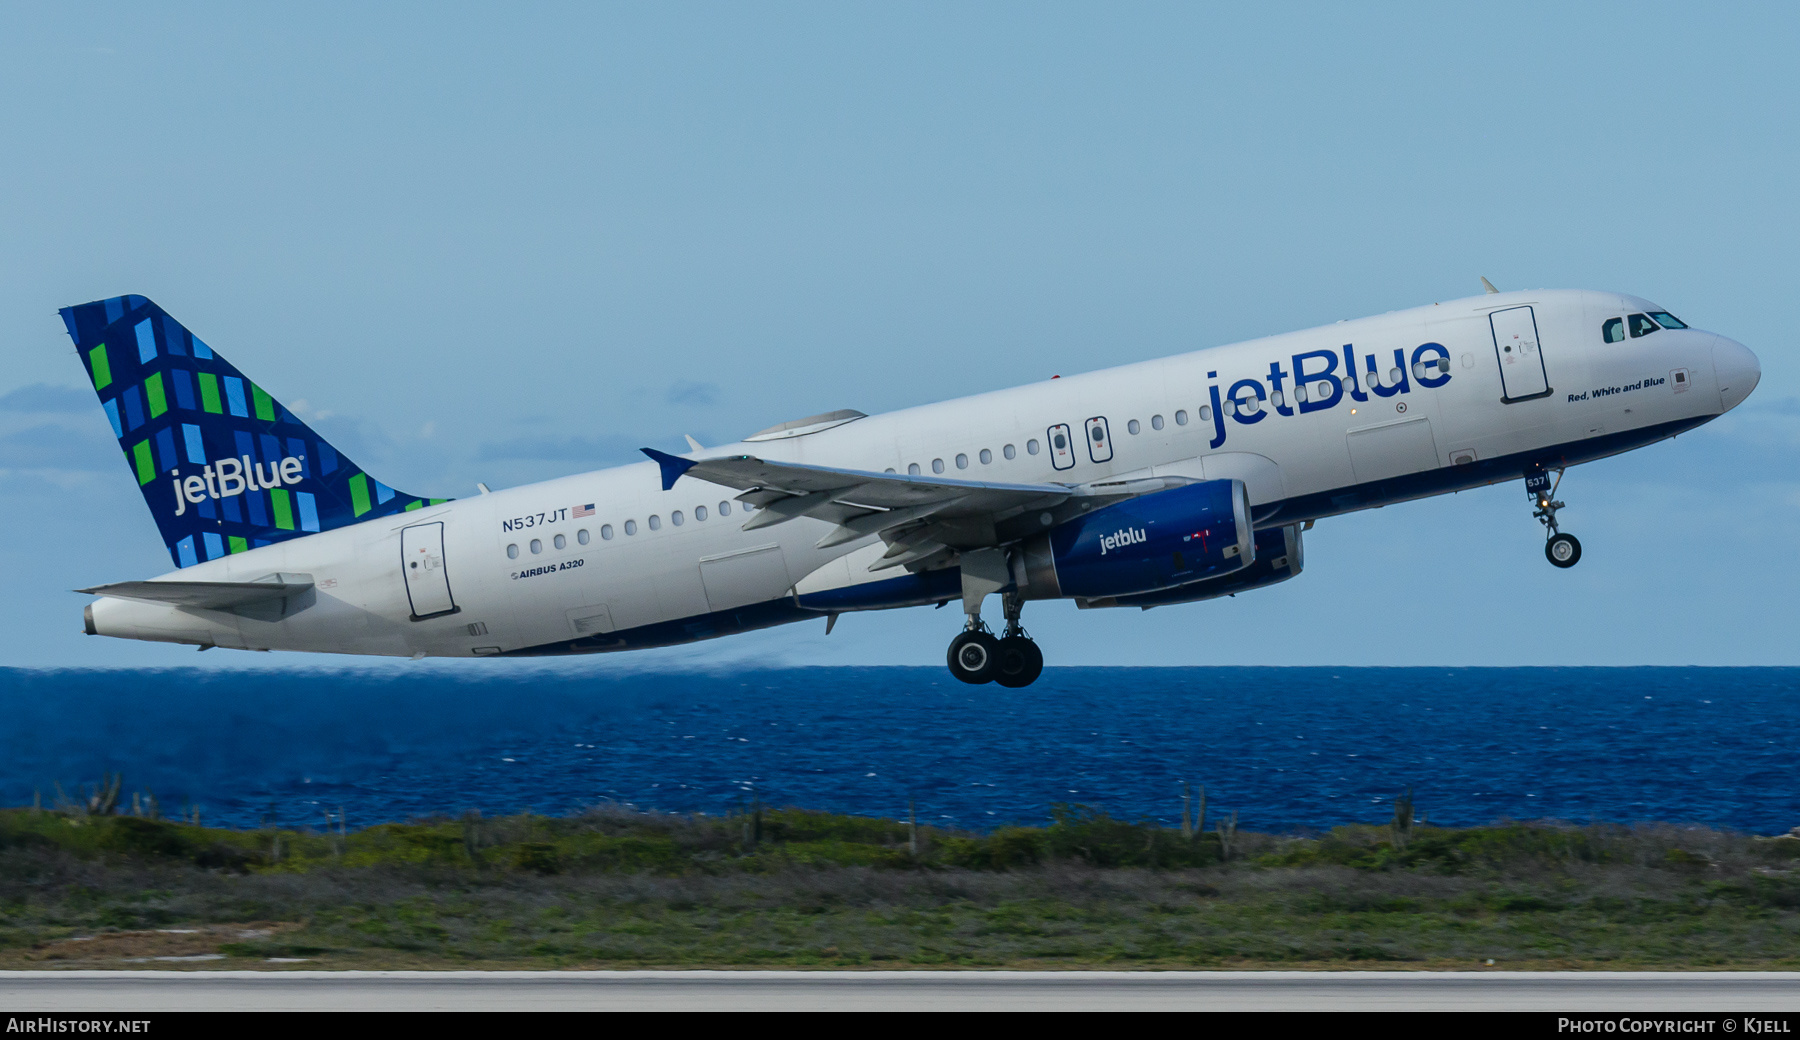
pixel 863 503
pixel 871 490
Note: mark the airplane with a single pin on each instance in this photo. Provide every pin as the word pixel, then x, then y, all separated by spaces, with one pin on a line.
pixel 1151 484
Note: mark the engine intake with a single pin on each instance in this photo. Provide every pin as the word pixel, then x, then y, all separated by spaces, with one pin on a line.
pixel 1146 544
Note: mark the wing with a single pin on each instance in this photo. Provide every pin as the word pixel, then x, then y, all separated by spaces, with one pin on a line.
pixel 919 517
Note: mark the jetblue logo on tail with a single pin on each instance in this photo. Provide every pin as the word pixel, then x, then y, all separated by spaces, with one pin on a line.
pixel 192 428
pixel 230 477
pixel 1123 537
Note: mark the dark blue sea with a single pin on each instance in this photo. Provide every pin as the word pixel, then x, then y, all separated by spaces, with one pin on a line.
pixel 1287 748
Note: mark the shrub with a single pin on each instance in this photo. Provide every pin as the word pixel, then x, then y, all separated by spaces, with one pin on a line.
pixel 136 836
pixel 538 857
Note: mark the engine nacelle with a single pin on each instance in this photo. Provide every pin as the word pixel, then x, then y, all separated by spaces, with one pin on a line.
pixel 1279 556
pixel 1146 544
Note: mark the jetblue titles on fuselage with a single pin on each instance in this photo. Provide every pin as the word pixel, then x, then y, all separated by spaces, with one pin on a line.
pixel 1318 383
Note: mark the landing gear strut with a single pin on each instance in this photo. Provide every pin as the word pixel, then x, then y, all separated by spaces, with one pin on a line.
pixel 1561 549
pixel 1021 662
pixel 977 657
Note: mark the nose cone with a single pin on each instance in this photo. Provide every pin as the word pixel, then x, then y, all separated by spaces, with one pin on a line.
pixel 1737 369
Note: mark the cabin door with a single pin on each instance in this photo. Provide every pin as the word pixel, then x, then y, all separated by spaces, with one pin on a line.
pixel 1522 375
pixel 422 564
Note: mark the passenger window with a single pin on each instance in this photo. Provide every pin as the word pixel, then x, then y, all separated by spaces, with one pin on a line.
pixel 1031 446
pixel 560 542
pixel 986 456
pixel 912 469
pixel 537 546
pixel 1060 442
pixel 1206 413
pixel 1010 452
pixel 1641 325
pixel 700 512
pixel 724 508
pixel 962 461
pixel 1613 331
pixel 655 522
pixel 1133 426
pixel 606 532
pixel 631 527
pixel 1667 320
pixel 675 518
pixel 582 536
pixel 937 465
pixel 1156 422
pixel 1181 417
pixel 512 552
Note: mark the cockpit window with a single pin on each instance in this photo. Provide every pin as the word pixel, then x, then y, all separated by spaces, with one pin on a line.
pixel 1641 325
pixel 1613 330
pixel 1667 320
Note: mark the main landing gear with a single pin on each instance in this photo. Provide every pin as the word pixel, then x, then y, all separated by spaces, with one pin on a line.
pixel 1012 660
pixel 1561 549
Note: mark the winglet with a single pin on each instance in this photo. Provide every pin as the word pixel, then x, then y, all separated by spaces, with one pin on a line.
pixel 1489 286
pixel 673 466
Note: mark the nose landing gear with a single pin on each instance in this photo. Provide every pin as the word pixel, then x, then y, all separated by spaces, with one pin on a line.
pixel 1563 550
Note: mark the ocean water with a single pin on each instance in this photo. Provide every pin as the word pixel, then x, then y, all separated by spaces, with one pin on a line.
pixel 1287 748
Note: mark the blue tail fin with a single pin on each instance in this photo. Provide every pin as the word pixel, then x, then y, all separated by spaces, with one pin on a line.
pixel 223 466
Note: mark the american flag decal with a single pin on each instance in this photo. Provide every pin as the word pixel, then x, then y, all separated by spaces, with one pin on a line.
pixel 581 511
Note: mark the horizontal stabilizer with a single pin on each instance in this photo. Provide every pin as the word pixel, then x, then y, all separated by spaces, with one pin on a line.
pixel 204 595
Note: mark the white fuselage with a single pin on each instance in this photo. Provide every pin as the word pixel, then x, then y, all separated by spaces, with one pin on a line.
pixel 528 575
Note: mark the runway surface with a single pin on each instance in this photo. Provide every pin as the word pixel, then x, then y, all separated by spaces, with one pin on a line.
pixel 27 991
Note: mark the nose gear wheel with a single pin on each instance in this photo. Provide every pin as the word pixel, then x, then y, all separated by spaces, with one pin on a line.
pixel 1564 550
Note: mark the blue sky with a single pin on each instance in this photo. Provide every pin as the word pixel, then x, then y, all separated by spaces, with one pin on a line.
pixel 499 243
